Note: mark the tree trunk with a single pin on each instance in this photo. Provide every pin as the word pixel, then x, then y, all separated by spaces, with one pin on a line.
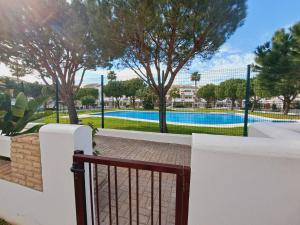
pixel 232 103
pixel 118 103
pixel 71 109
pixel 162 114
pixel 287 103
pixel 253 105
pixel 133 102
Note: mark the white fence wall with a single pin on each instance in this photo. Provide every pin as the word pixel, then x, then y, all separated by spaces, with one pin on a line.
pixel 5 146
pixel 56 204
pixel 244 181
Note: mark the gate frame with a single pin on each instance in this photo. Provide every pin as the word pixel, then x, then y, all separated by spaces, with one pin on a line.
pixel 183 175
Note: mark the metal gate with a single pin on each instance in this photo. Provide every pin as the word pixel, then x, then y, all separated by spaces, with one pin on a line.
pixel 87 169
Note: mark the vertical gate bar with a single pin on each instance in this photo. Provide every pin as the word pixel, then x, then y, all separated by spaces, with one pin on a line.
pixel 129 189
pixel 91 193
pixel 137 197
pixel 186 195
pixel 159 199
pixel 116 195
pixel 247 97
pixel 152 219
pixel 97 195
pixel 80 194
pixel 109 194
pixel 179 199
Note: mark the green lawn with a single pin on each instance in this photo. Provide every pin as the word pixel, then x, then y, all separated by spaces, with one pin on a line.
pixel 276 115
pixel 122 124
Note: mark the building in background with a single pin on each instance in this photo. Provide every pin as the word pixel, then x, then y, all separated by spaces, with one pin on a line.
pixel 187 97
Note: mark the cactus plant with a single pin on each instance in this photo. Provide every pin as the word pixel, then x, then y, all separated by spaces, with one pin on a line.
pixel 15 117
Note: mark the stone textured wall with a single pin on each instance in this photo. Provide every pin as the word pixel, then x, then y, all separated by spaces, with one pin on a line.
pixel 26 167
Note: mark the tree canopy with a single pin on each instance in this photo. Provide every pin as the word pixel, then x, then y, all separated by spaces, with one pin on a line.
pixel 52 38
pixel 88 100
pixel 278 65
pixel 156 39
pixel 207 92
pixel 115 89
pixel 195 77
pixel 83 92
pixel 234 89
pixel 131 88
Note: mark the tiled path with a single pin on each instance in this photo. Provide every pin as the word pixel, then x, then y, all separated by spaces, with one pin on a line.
pixel 145 151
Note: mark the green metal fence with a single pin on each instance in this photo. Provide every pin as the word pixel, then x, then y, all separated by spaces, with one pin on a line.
pixel 223 101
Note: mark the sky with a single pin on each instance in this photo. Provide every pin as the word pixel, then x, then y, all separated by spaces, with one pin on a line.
pixel 264 17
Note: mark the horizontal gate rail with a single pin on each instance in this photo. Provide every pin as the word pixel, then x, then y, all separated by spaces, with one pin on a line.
pixel 182 187
pixel 133 164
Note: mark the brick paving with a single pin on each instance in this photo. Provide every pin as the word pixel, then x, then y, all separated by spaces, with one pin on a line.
pixel 145 151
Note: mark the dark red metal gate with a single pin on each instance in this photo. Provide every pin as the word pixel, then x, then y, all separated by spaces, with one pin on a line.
pixel 81 161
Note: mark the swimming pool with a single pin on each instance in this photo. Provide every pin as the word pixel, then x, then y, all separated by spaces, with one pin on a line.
pixel 188 118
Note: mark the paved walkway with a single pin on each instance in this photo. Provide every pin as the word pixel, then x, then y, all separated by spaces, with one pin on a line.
pixel 145 151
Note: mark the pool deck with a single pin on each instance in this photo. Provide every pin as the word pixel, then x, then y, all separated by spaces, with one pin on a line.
pixel 145 151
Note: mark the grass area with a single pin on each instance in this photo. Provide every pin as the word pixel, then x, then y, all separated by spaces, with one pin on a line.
pixel 122 124
pixel 276 115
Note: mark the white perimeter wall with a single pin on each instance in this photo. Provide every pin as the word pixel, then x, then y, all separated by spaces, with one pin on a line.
pixel 244 181
pixel 56 204
pixel 5 146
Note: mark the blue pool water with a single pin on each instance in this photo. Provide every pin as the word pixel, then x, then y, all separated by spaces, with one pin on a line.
pixel 186 117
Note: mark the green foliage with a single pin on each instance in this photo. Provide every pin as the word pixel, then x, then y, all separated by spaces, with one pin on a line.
pixel 19 69
pixel 148 98
pixel 52 38
pixel 207 92
pixel 148 35
pixel 94 133
pixel 278 65
pixel 88 100
pixel 3 222
pixel 83 92
pixel 111 75
pixel 131 88
pixel 115 89
pixel 14 118
pixel 234 89
pixel 195 77
pixel 29 89
pixel 174 93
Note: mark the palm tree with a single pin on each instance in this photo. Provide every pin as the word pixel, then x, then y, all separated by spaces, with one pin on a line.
pixel 111 75
pixel 195 77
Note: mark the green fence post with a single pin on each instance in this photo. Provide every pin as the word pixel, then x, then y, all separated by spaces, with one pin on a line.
pixel 247 97
pixel 102 101
pixel 57 99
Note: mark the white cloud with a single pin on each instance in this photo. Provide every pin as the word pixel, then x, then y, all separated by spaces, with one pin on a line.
pixel 229 62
